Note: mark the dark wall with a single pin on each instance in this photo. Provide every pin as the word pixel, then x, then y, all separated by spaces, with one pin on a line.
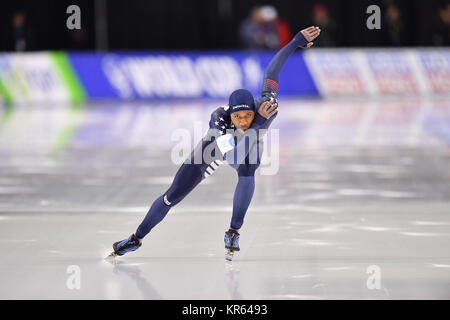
pixel 200 24
pixel 45 23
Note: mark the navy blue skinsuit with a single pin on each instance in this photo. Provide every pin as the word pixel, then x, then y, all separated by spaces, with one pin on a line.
pixel 197 167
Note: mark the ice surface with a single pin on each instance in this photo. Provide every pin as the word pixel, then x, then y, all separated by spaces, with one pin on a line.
pixel 359 184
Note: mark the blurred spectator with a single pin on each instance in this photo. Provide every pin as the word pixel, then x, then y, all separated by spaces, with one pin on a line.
pixel 394 27
pixel 19 31
pixel 440 35
pixel 322 19
pixel 284 32
pixel 264 30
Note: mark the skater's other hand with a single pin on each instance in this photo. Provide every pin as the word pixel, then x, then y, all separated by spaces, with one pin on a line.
pixel 268 108
pixel 310 34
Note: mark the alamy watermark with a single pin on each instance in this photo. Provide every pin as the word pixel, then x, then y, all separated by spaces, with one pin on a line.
pixel 374 280
pixel 253 147
pixel 73 282
pixel 74 20
pixel 374 20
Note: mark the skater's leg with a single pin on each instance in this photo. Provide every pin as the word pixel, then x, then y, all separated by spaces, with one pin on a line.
pixel 241 201
pixel 157 212
pixel 242 197
pixel 243 194
pixel 186 179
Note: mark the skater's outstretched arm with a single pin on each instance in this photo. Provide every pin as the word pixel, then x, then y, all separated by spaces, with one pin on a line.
pixel 302 39
pixel 267 105
pixel 269 88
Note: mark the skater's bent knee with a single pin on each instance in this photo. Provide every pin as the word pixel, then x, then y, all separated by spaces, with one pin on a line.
pixel 167 202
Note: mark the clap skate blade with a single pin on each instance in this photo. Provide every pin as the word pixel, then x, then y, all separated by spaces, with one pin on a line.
pixel 112 255
pixel 229 255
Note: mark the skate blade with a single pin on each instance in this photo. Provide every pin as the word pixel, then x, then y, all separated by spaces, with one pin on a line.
pixel 112 255
pixel 229 256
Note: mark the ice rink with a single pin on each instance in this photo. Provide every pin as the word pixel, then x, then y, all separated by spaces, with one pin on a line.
pixel 354 203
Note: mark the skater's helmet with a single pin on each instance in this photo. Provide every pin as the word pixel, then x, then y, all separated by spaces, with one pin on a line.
pixel 241 99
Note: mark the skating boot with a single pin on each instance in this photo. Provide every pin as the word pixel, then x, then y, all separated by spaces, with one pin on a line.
pixel 121 247
pixel 231 243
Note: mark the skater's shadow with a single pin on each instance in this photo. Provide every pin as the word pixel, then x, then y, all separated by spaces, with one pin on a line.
pixel 134 272
pixel 231 280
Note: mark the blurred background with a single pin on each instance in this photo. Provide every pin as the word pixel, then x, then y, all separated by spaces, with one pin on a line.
pixel 218 24
pixel 92 101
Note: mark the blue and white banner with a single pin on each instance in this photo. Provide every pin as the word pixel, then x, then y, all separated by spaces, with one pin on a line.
pixel 393 72
pixel 57 76
pixel 336 72
pixel 168 75
pixel 436 69
pixel 380 71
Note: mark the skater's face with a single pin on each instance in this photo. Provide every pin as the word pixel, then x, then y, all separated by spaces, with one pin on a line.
pixel 242 119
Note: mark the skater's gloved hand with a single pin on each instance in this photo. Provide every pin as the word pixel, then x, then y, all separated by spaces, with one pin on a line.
pixel 307 35
pixel 268 108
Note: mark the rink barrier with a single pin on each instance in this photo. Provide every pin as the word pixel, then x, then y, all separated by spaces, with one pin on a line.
pixel 376 72
pixel 38 77
pixel 155 75
pixel 76 77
